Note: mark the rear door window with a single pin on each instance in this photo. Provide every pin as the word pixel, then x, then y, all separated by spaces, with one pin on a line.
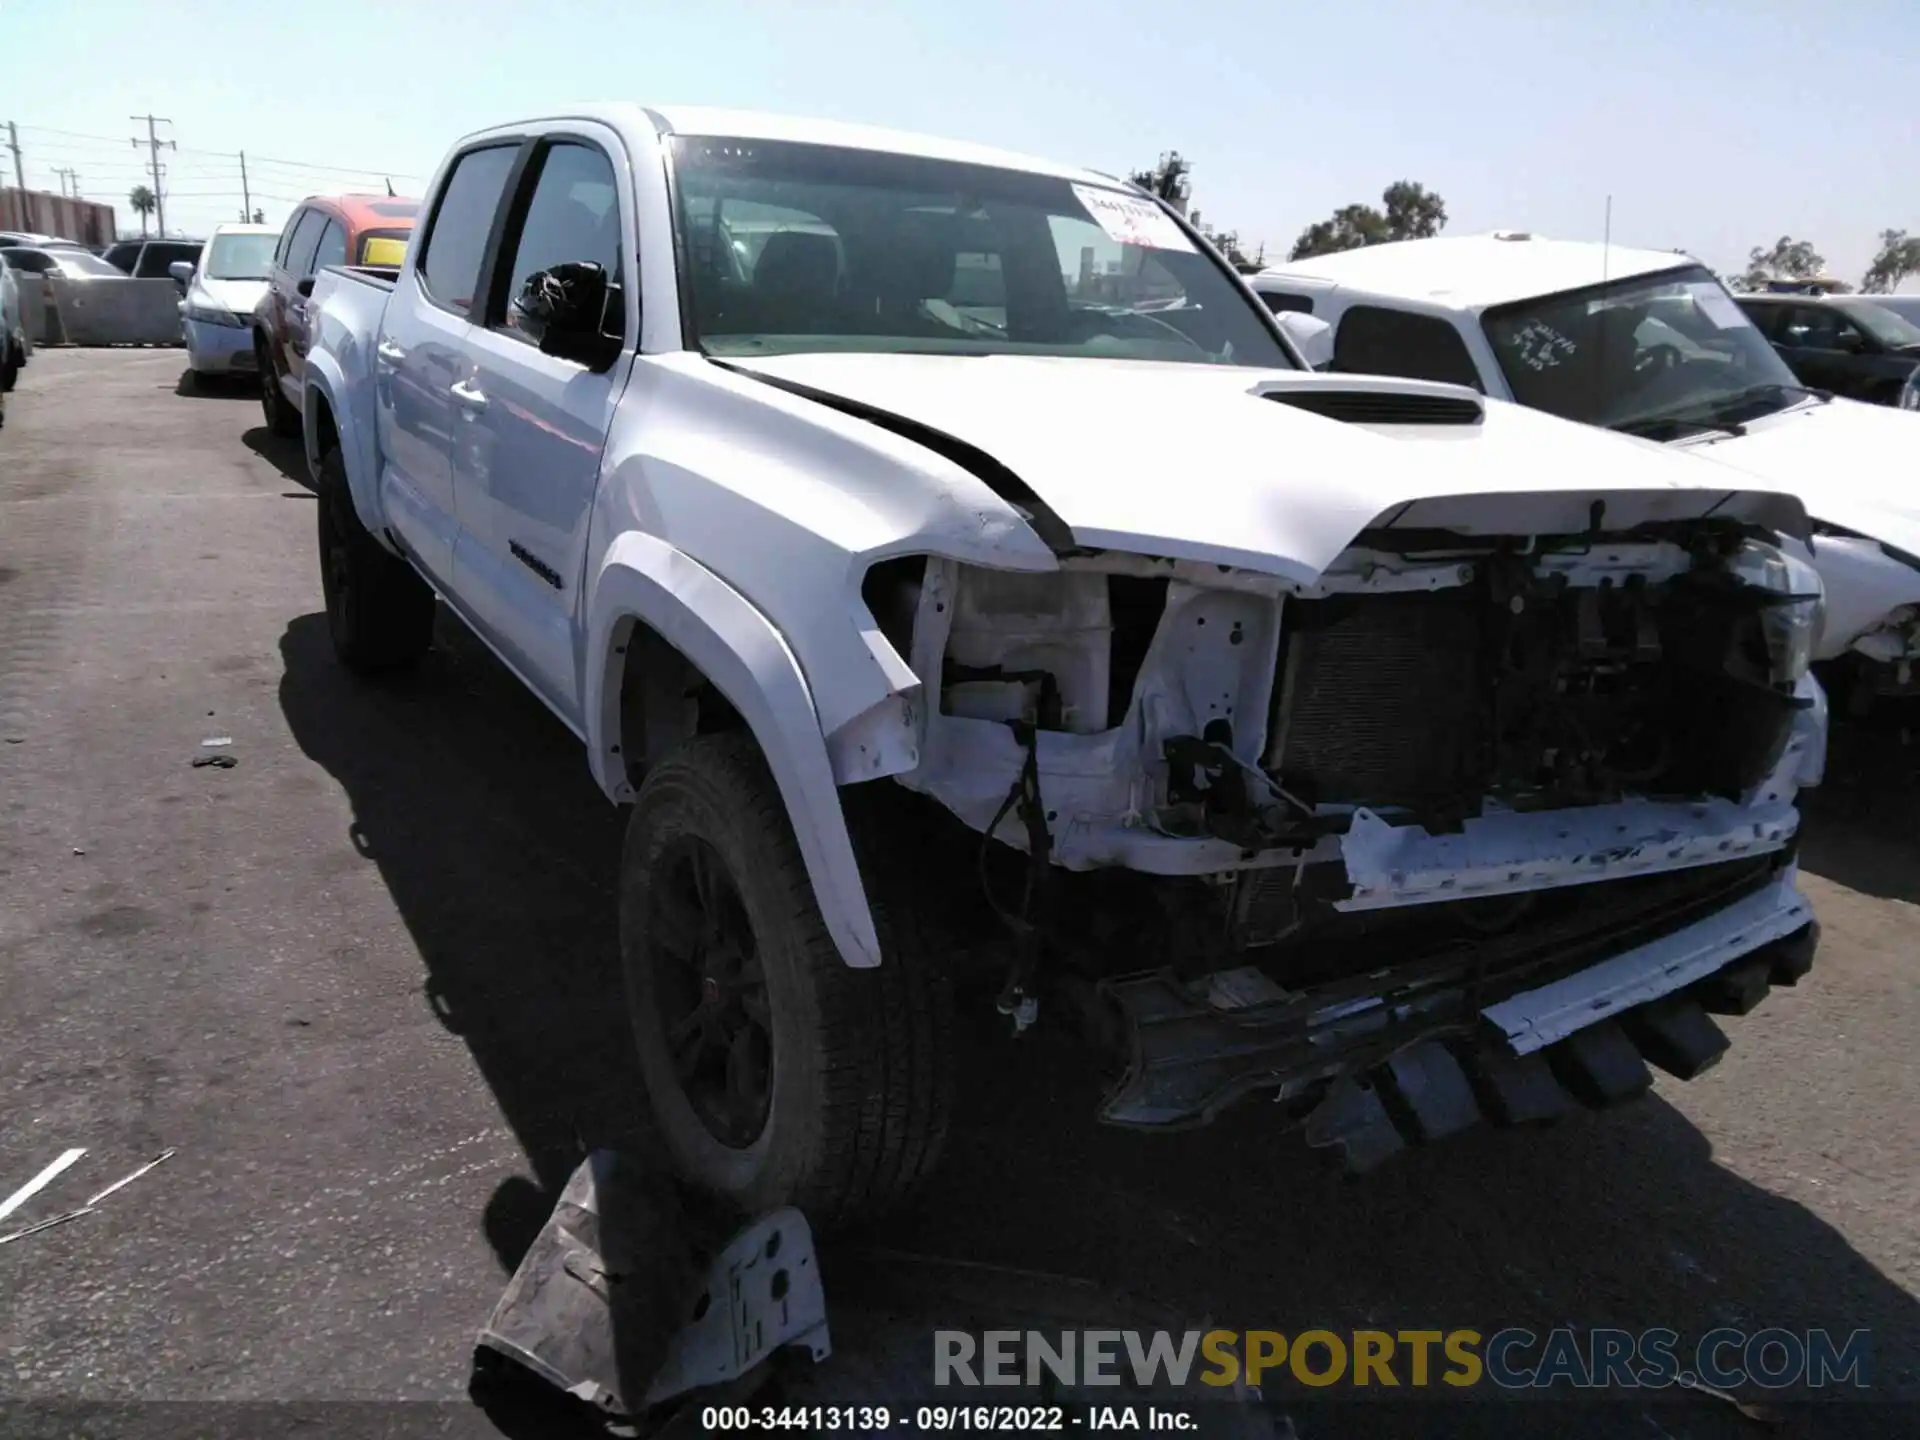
pixel 1281 302
pixel 286 236
pixel 155 259
pixel 306 239
pixel 462 220
pixel 332 249
pixel 1374 340
pixel 1765 317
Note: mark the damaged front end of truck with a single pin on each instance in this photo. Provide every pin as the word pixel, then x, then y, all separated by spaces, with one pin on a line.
pixel 1470 825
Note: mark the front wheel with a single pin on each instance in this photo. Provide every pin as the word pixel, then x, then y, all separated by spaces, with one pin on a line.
pixel 379 612
pixel 776 1073
pixel 280 416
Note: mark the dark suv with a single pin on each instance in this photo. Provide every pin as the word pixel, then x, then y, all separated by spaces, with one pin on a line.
pixel 149 259
pixel 1848 344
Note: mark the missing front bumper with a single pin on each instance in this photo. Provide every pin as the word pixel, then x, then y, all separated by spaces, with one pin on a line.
pixel 1493 1013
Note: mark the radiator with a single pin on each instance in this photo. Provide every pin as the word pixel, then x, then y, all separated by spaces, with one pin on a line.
pixel 1382 699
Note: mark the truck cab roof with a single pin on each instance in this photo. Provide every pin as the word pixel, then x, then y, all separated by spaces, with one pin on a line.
pixel 637 120
pixel 1473 272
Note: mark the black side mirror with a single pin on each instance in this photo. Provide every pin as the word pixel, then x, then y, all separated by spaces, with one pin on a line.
pixel 305 287
pixel 564 310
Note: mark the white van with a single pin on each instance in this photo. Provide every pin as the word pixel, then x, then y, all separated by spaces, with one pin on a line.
pixel 1647 342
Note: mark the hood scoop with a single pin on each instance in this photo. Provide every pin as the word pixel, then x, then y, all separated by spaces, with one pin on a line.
pixel 1383 407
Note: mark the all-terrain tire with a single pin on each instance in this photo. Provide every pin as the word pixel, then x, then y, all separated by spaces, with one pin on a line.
pixel 862 1059
pixel 379 612
pixel 281 417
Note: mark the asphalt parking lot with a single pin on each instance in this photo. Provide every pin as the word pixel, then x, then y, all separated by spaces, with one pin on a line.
pixel 363 984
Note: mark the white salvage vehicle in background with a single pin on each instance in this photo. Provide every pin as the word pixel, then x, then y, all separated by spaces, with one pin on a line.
pixel 915 533
pixel 1648 343
pixel 218 294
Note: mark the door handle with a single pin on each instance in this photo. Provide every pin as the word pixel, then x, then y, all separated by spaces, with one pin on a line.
pixel 390 352
pixel 468 398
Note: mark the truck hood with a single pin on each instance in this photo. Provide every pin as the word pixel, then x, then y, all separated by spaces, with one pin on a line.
pixel 1852 465
pixel 1204 462
pixel 238 297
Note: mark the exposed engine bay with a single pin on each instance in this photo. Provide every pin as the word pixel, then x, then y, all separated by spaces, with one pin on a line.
pixel 1447 758
pixel 1421 681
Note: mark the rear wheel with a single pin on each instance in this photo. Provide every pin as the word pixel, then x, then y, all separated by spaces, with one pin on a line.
pixel 379 612
pixel 776 1073
pixel 280 416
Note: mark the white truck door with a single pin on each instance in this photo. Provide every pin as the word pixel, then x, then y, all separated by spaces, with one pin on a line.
pixel 422 356
pixel 527 455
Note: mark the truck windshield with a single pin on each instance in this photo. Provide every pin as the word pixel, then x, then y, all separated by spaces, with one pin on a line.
pixel 1889 327
pixel 241 257
pixel 790 248
pixel 1656 355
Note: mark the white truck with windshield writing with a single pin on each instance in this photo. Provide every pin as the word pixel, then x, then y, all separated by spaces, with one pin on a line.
pixel 1648 343
pixel 951 564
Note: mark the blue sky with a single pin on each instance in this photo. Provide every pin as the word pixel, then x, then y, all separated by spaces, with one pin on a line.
pixel 1715 127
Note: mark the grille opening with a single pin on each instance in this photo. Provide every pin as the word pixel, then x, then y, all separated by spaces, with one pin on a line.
pixel 1434 702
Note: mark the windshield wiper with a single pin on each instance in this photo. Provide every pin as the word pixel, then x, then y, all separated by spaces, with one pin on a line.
pixel 1753 394
pixel 1730 414
pixel 1665 427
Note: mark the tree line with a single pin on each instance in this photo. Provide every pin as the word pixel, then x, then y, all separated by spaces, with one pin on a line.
pixel 1790 259
pixel 1409 211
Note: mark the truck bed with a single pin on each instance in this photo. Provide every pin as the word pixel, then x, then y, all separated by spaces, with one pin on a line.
pixel 381 277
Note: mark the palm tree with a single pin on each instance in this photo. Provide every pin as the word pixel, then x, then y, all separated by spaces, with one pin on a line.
pixel 141 199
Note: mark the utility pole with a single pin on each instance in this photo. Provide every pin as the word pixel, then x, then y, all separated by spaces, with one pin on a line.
pixel 246 195
pixel 154 142
pixel 19 175
pixel 65 176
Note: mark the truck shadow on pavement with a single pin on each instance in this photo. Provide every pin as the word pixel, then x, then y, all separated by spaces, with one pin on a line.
pixel 286 456
pixel 217 387
pixel 501 856
pixel 1858 827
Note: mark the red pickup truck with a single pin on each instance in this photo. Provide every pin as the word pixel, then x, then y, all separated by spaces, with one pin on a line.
pixel 323 230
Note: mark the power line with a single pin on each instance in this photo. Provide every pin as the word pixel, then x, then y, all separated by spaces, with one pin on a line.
pixel 76 134
pixel 335 169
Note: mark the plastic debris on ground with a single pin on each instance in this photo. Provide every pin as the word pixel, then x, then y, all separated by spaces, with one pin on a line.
pixel 621 1306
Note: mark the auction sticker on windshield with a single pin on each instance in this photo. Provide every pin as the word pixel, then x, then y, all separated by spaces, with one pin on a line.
pixel 1714 303
pixel 1131 220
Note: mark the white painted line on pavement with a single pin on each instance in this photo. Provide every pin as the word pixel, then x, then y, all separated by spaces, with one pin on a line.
pixel 43 1225
pixel 129 1179
pixel 39 1182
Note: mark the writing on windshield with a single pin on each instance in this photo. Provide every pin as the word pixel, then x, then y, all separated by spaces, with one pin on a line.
pixel 1647 353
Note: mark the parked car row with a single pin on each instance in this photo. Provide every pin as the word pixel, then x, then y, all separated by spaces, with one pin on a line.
pixel 244 295
pixel 1864 349
pixel 1648 343
pixel 61 262
pixel 945 553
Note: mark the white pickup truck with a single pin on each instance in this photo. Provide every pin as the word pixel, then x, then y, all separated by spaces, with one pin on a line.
pixel 1649 343
pixel 945 555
